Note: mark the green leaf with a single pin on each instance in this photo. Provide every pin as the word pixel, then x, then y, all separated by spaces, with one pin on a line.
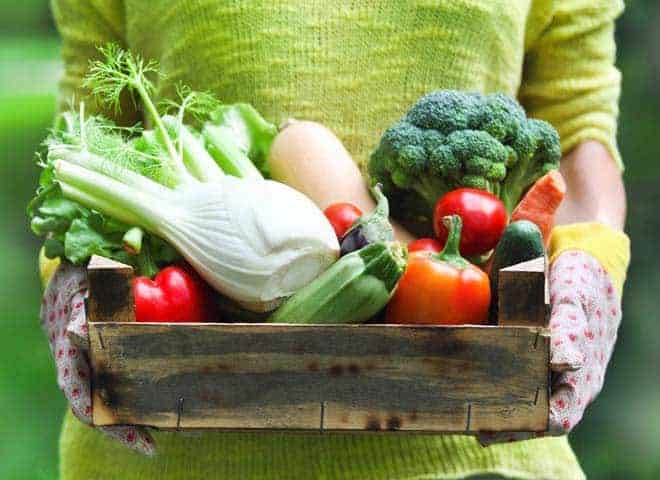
pixel 252 134
pixel 162 252
pixel 82 241
pixel 122 256
pixel 47 177
pixel 41 226
pixel 146 263
pixel 42 194
pixel 110 225
pixel 60 207
pixel 95 220
pixel 53 248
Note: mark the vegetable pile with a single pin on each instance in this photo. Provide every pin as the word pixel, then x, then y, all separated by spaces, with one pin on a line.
pixel 188 203
pixel 457 165
pixel 451 139
pixel 256 241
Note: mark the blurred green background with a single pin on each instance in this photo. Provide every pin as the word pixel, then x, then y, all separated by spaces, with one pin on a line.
pixel 619 438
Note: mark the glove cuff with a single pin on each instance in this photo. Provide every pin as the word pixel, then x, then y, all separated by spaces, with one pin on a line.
pixel 610 247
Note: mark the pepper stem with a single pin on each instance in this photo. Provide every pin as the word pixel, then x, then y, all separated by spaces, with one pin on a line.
pixel 451 254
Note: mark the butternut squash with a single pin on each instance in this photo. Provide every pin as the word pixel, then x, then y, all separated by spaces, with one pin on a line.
pixel 310 158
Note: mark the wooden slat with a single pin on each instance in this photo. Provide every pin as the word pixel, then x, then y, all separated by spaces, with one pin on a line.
pixel 329 378
pixel 110 292
pixel 523 294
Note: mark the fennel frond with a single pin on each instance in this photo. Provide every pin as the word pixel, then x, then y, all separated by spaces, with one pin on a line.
pixel 121 70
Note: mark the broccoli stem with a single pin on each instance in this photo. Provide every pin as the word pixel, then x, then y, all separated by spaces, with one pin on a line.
pixel 431 188
pixel 515 184
pixel 382 205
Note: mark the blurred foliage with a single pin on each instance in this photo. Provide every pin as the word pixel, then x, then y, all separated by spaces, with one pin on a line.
pixel 26 16
pixel 619 437
pixel 29 398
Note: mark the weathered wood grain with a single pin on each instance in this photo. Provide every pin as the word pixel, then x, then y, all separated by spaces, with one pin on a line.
pixel 110 296
pixel 328 378
pixel 523 294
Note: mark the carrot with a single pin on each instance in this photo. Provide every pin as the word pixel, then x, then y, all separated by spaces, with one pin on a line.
pixel 541 202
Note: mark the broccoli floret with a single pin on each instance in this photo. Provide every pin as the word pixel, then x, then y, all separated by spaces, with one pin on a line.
pixel 445 111
pixel 451 139
pixel 531 166
pixel 500 116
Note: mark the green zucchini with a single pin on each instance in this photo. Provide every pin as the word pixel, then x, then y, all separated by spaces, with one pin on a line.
pixel 352 290
pixel 520 242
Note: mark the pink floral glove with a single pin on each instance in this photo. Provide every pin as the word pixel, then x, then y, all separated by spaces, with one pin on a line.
pixel 63 320
pixel 586 312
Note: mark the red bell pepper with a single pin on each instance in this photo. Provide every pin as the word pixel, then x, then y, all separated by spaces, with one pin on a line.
pixel 176 294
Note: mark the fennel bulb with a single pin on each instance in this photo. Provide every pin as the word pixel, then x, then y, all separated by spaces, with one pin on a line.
pixel 255 241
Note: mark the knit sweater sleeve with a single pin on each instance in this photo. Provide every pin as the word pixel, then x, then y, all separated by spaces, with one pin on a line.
pixel 84 26
pixel 569 76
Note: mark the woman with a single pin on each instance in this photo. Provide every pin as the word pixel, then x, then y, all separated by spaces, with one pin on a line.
pixel 356 67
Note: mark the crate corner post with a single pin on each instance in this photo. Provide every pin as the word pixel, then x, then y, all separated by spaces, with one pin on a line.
pixel 523 301
pixel 523 294
pixel 110 291
pixel 110 299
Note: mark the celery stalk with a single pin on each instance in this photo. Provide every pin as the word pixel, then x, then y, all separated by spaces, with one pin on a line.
pixel 224 150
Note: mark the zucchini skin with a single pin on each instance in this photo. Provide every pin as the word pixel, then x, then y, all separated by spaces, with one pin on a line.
pixel 352 290
pixel 521 241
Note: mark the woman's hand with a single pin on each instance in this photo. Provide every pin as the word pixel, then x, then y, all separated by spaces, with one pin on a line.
pixel 586 312
pixel 590 256
pixel 63 319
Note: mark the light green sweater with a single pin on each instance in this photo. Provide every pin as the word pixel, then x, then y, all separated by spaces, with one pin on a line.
pixel 355 66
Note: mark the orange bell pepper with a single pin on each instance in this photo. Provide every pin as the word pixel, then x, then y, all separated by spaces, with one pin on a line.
pixel 441 288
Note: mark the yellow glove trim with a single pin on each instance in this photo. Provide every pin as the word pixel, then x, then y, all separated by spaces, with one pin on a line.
pixel 47 267
pixel 610 247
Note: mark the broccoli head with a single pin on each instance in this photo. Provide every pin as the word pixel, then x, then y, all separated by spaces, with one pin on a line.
pixel 451 139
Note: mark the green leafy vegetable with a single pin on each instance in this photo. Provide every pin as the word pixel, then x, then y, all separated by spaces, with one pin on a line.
pixel 74 231
pixel 254 240
pixel 172 154
pixel 252 134
pixel 82 241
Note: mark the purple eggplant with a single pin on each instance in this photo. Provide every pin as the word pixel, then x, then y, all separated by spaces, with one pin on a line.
pixel 370 227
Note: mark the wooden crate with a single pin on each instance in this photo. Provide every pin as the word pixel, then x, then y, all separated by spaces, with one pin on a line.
pixel 348 378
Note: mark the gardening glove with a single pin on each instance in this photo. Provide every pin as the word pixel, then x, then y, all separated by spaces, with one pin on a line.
pixel 588 263
pixel 63 319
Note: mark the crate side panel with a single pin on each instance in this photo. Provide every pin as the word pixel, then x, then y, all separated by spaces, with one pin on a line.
pixel 319 377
